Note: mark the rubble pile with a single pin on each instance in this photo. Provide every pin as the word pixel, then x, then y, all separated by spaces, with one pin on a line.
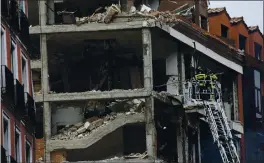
pixel 91 124
pixel 114 11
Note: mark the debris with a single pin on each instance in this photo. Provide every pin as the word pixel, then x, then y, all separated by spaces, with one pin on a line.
pixel 81 130
pixel 145 8
pixel 111 12
pixel 137 155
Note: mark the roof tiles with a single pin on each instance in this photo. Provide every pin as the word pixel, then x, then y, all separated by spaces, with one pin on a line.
pixel 215 10
pixel 235 20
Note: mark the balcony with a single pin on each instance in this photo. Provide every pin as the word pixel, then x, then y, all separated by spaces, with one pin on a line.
pixel 30 114
pixel 3 155
pixel 7 85
pixel 20 108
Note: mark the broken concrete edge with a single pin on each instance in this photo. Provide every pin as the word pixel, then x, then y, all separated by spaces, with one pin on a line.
pixel 168 98
pixel 94 95
pixel 90 27
pixel 95 136
pixel 35 64
pixel 121 161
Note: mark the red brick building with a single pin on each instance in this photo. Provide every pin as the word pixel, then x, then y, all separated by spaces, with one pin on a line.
pixel 17 104
pixel 250 86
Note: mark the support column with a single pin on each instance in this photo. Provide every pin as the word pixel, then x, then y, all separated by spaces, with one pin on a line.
pixel 45 90
pixel 151 134
pixel 180 151
pixel 199 143
pixel 172 70
pixel 185 144
pixel 50 11
pixel 42 12
pixel 182 68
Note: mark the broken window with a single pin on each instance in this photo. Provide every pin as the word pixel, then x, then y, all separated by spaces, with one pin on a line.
pixel 242 42
pixel 17 146
pixel 6 136
pixel 224 31
pixel 204 24
pixel 24 73
pixel 257 94
pixel 258 50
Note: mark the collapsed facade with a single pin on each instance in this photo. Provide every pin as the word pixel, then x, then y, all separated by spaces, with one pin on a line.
pixel 112 83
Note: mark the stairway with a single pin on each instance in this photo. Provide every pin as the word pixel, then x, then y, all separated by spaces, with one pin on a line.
pixel 221 131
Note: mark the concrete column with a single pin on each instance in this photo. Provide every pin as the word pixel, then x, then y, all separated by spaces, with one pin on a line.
pixel 50 11
pixel 182 68
pixel 180 151
pixel 45 90
pixel 185 144
pixel 147 58
pixel 235 99
pixel 42 12
pixel 199 143
pixel 151 134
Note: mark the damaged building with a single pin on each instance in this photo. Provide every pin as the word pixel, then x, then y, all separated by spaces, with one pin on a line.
pixel 111 82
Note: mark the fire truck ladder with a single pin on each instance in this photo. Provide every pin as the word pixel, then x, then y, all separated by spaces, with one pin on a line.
pixel 221 131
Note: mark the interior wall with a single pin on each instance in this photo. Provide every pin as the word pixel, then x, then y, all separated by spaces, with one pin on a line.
pixel 109 146
pixel 65 115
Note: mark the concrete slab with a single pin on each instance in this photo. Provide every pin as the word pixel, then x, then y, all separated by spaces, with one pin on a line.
pixel 122 161
pixel 89 27
pixel 237 127
pixel 94 95
pixel 96 135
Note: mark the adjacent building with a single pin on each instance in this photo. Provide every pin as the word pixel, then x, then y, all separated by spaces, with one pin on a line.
pixel 248 39
pixel 17 103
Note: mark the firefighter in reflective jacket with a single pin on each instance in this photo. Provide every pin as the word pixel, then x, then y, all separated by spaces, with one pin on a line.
pixel 201 77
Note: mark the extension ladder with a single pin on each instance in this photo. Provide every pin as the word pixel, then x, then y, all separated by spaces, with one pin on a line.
pixel 221 131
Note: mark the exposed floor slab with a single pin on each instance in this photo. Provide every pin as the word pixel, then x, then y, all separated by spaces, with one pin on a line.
pixel 122 161
pixel 89 27
pixel 94 95
pixel 96 135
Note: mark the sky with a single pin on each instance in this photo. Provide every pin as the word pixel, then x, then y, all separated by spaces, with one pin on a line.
pixel 252 11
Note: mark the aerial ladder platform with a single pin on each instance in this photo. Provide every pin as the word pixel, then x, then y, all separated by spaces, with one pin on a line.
pixel 215 115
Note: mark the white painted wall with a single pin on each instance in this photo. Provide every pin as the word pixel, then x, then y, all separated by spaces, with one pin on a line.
pixel 65 115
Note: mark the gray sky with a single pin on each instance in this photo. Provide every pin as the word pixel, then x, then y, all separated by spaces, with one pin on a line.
pixel 252 11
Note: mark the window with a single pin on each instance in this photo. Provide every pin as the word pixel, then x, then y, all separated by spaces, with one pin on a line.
pixel 22 6
pixel 203 22
pixel 6 135
pixel 224 31
pixel 17 145
pixel 28 152
pixel 257 49
pixel 3 48
pixel 242 42
pixel 257 94
pixel 24 73
pixel 14 60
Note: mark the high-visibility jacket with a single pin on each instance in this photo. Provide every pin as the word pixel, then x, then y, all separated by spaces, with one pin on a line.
pixel 201 78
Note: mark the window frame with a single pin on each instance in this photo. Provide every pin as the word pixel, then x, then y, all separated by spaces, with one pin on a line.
pixel 7 118
pixel 245 43
pixel 258 95
pixel 5 47
pixel 20 144
pixel 23 57
pixel 15 72
pixel 227 32
pixel 30 151
pixel 260 51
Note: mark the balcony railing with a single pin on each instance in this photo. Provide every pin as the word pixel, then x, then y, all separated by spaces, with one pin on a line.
pixel 19 100
pixel 3 155
pixel 30 115
pixel 7 85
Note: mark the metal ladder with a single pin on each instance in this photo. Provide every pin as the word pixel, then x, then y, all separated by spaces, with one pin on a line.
pixel 221 131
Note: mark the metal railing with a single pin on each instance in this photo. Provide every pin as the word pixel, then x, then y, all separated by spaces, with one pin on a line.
pixel 7 85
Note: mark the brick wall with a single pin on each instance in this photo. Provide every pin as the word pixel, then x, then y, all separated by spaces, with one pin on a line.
pixel 39 148
pixel 58 156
